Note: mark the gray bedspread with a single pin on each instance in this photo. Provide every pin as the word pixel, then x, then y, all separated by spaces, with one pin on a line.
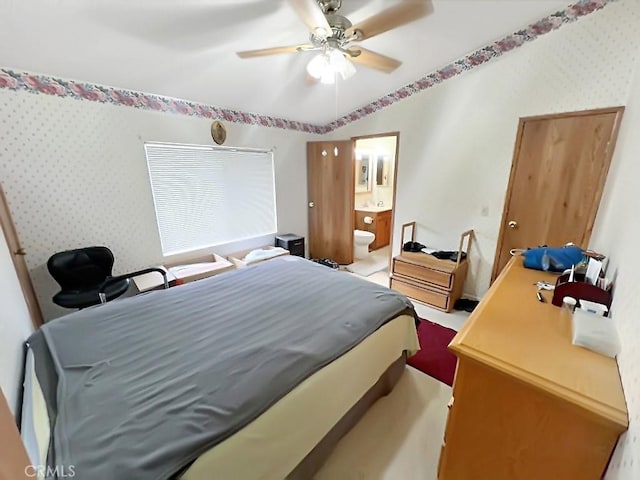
pixel 147 384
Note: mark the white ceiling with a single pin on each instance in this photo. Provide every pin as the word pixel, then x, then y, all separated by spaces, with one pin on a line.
pixel 186 49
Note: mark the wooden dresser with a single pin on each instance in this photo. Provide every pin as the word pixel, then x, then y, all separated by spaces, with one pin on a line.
pixel 526 403
pixel 438 283
pixel 381 226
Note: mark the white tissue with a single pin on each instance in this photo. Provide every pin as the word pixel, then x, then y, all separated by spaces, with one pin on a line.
pixel 368 220
pixel 596 333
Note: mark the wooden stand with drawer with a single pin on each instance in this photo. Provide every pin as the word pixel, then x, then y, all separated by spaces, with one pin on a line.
pixel 438 283
pixel 527 404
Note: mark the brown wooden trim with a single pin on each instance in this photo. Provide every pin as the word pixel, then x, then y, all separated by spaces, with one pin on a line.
pixel 393 209
pixel 597 196
pixel 579 113
pixel 11 236
pixel 516 154
pixel 378 135
pixel 507 200
pixel 352 198
pixel 395 184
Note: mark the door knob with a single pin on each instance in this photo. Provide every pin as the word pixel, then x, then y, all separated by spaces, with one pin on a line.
pixel 312 204
pixel 513 224
pixel 20 251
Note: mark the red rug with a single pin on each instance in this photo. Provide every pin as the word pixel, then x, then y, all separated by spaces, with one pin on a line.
pixel 434 358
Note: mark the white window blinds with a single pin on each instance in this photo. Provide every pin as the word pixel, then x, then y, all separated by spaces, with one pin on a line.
pixel 207 196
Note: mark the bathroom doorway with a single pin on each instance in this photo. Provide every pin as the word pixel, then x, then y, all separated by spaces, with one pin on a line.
pixel 375 173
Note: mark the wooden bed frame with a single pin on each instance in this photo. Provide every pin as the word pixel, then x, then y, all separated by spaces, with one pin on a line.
pixel 308 467
pixel 14 460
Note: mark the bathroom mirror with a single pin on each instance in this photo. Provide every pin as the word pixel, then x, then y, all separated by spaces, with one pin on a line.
pixel 363 173
pixel 382 170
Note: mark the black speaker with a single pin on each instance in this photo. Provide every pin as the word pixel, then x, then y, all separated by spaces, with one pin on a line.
pixel 292 242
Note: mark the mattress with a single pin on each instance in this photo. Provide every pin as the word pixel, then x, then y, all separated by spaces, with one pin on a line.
pixel 275 442
pixel 154 382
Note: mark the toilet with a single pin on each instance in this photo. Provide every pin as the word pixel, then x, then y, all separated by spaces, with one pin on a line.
pixel 361 242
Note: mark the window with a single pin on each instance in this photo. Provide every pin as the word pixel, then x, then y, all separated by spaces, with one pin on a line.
pixel 207 196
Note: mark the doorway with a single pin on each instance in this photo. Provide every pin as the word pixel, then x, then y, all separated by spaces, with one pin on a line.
pixel 559 169
pixel 351 184
pixel 375 161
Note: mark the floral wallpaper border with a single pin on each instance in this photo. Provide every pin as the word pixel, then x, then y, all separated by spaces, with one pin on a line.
pixel 479 57
pixel 43 84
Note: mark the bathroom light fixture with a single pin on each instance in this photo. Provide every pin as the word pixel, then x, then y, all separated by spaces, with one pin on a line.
pixel 327 64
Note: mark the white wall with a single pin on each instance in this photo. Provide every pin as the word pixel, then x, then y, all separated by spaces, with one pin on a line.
pixel 616 234
pixel 15 327
pixel 74 173
pixel 457 139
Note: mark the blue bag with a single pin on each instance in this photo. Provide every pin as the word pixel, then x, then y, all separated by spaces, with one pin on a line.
pixel 553 259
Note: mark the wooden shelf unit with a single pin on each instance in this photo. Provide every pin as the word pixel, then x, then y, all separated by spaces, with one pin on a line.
pixel 438 283
pixel 527 403
pixel 423 277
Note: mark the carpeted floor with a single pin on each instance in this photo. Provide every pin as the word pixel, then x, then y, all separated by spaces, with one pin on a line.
pixel 434 358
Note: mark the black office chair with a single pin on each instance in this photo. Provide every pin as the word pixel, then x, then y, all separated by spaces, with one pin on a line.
pixel 85 279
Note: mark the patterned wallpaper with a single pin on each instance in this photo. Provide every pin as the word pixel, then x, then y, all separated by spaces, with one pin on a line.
pixel 72 164
pixel 43 84
pixel 457 138
pixel 616 232
pixel 456 148
pixel 75 174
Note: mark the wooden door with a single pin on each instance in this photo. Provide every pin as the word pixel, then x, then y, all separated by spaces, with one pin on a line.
pixel 17 254
pixel 330 185
pixel 559 169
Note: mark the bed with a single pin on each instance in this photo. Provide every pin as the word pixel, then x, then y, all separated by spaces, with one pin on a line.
pixel 254 374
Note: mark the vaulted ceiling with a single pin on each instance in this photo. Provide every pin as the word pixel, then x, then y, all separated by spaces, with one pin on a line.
pixel 187 49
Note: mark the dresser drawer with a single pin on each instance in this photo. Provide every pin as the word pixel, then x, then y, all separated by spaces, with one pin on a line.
pixel 436 299
pixel 423 274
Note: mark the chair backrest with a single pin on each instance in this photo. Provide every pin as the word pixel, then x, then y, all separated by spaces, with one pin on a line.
pixel 81 269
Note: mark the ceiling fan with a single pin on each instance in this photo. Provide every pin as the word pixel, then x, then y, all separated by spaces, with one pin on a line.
pixel 332 35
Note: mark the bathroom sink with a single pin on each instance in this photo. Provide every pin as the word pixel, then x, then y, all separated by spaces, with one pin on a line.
pixel 373 209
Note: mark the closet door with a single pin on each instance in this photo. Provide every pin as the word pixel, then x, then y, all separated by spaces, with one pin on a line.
pixel 559 169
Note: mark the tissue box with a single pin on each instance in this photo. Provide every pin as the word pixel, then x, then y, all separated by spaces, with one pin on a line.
pixel 596 333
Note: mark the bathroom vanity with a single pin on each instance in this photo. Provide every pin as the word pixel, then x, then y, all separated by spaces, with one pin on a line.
pixel 380 224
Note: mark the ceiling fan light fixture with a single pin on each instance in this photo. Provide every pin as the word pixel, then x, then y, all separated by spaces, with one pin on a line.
pixel 328 77
pixel 318 65
pixel 340 64
pixel 326 65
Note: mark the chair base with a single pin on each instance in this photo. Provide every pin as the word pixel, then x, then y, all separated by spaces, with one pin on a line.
pixel 74 299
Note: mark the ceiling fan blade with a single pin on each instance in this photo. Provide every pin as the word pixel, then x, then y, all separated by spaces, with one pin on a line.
pixel 405 12
pixel 375 60
pixel 310 13
pixel 271 51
